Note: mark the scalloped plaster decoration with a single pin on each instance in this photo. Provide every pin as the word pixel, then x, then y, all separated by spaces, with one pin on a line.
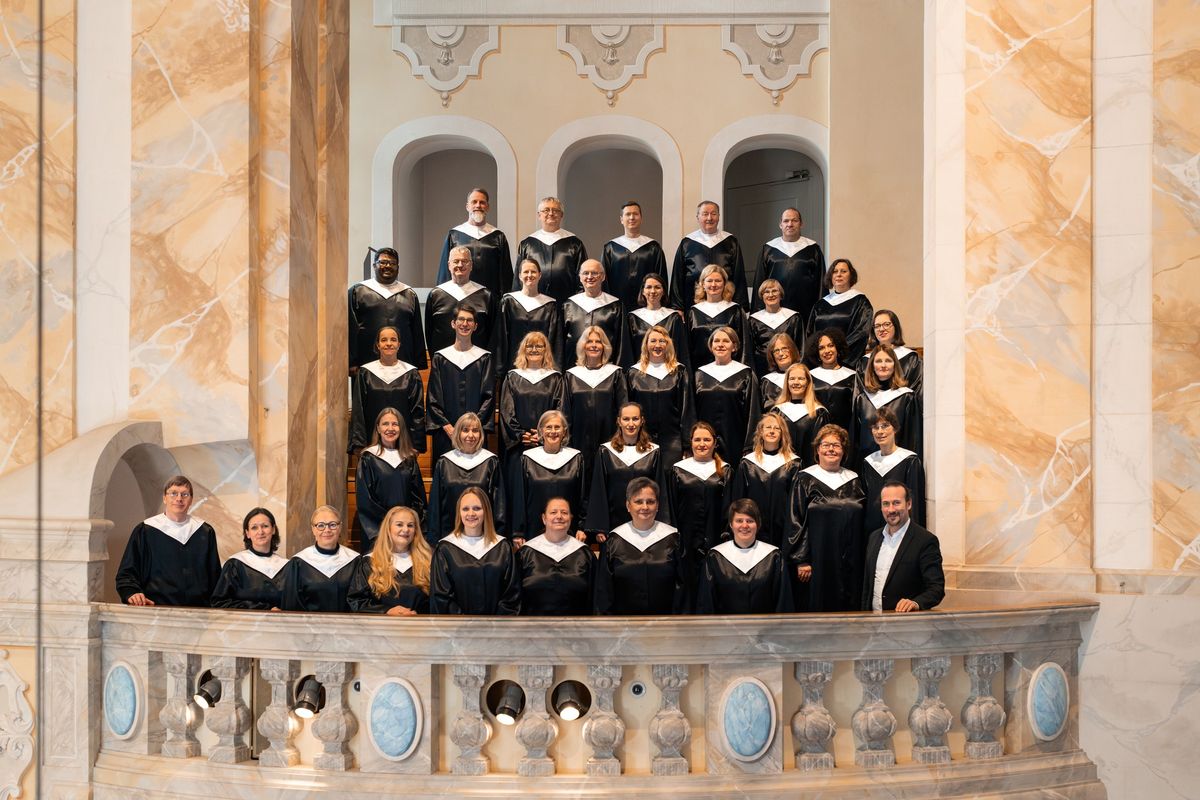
pixel 16 729
pixel 775 55
pixel 446 56
pixel 610 56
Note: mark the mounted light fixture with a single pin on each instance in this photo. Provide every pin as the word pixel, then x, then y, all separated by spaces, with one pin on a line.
pixel 208 690
pixel 506 701
pixel 571 700
pixel 310 697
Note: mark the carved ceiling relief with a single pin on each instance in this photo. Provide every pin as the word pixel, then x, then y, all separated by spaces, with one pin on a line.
pixel 445 56
pixel 776 54
pixel 610 56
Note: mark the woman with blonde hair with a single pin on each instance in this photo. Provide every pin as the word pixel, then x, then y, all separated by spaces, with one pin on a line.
pixel 727 395
pixel 767 475
pixel 770 321
pixel 318 577
pixel 629 454
pixel 803 413
pixel 393 578
pixel 714 308
pixel 468 464
pixel 532 388
pixel 550 470
pixel 596 390
pixel 663 388
pixel 474 569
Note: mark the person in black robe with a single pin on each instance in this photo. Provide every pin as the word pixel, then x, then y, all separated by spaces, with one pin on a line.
pixel 595 308
pixel 462 380
pixel 383 301
pixel 887 330
pixel 171 558
pixel 596 390
pixel 727 396
pixel 833 382
pixel 490 255
pixel 781 354
pixel 651 312
pixel 802 412
pixel 767 323
pixel 556 569
pixel 884 387
pixel 559 252
pixel 460 291
pixel 714 308
pixel 662 386
pixel 386 382
pixel 891 463
pixel 744 575
pixel 393 578
pixel 527 392
pixel 640 569
pixel 387 476
pixel 796 262
pixel 628 455
pixel 767 475
pixel 695 492
pixel 825 550
pixel 706 245
pixel 318 577
pixel 549 471
pixel 629 258
pixel 249 579
pixel 525 312
pixel 474 570
pixel 468 464
pixel 844 308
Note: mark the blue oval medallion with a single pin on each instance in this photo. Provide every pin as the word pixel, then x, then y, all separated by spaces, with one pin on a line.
pixel 394 716
pixel 1049 701
pixel 120 700
pixel 747 719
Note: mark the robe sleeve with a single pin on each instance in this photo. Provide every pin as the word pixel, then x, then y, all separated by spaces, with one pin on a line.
pixel 597 519
pixel 797 538
pixel 760 275
pixel 416 410
pixel 358 423
pixel 434 399
pixel 602 593
pixel 622 349
pixel 784 604
pixel 510 426
pixel 509 604
pixel 443 265
pixel 660 479
pixel 678 280
pixel 416 335
pixel 130 575
pixel 505 276
pixel 681 598
pixel 416 490
pixel 500 516
pixel 740 293
pixel 915 481
pixel 225 593
pixel 518 524
pixel 705 601
pixel 556 336
pixel 433 530
pixel 212 558
pixel 353 327
pixel 687 411
pixel 753 412
pixel 359 596
pixel 289 583
pixel 487 393
pixel 441 584
pixel 860 329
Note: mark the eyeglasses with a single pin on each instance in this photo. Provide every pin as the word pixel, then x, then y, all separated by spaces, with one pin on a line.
pixel 535 347
pixel 179 495
pixel 326 526
pixel 551 212
pixel 882 326
pixel 881 426
pixel 829 446
pixel 387 263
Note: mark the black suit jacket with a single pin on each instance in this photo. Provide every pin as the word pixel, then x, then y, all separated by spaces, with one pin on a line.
pixel 916 572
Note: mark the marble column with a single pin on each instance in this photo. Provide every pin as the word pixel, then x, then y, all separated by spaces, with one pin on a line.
pixel 470 730
pixel 813 726
pixel 929 719
pixel 669 728
pixel 335 725
pixel 536 731
pixel 982 714
pixel 180 715
pixel 230 718
pixel 277 722
pixel 604 731
pixel 873 723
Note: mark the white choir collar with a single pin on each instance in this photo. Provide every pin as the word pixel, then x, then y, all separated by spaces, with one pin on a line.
pixel 773 321
pixel 460 292
pixel 547 238
pixel 790 248
pixel 535 375
pixel 713 309
pixel 591 304
pixel 551 461
pixel 835 299
pixel 885 396
pixel 746 559
pixel 833 480
pixel 384 290
pixel 832 376
pixel 632 245
pixel 179 531
pixel 629 454
pixel 643 540
pixel 884 464
pixel 475 231
pixel 401 562
pixel 701 469
pixel 775 378
pixel 469 461
pixel 266 565
pixel 531 303
pixel 658 371
pixel 723 372
pixel 555 551
pixel 708 239
pixel 327 565
pixel 769 462
pixel 793 411
pixel 391 456
pixel 463 358
pixel 472 545
pixel 653 317
pixel 385 373
pixel 594 377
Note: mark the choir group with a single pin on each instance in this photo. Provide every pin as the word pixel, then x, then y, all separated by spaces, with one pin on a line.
pixel 724 443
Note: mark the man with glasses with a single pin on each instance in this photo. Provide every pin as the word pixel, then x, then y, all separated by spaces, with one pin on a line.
pixel 445 299
pixel 379 302
pixel 559 252
pixel 488 245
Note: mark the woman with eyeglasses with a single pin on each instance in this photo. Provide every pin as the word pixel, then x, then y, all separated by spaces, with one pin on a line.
pixel 388 475
pixel 887 330
pixel 387 382
pixel 474 569
pixel 550 470
pixel 844 308
pixel 767 475
pixel 249 579
pixel 744 574
pixel 714 308
pixel 770 322
pixel 663 388
pixel 527 311
pixel 318 577
pixel 781 354
pixel 528 391
pixel 469 464
pixel 650 312
pixel 891 463
pixel 833 382
pixel 393 578
pixel 884 387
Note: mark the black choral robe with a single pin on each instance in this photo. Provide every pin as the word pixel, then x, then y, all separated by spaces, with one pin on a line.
pixel 910 366
pixel 526 394
pixel 559 253
pixel 667 404
pixel 610 475
pixel 594 399
pixel 374 305
pixel 378 386
pixel 521 315
pixel 769 388
pixel 627 262
pixel 460 381
pixel 385 480
pixel 469 576
pixel 750 580
pixel 852 314
pixel 704 317
pixel 727 399
pixel 249 579
pixel 581 312
pixel 317 580
pixel 904 403
pixel 695 252
pixel 696 496
pixel 362 598
pixel 803 427
pixel 442 305
pixel 542 477
pixel 641 320
pixel 900 465
pixel 640 572
pixel 456 471
pixel 491 260
pixel 172 563
pixel 769 481
pixel 556 578
pixel 799 267
pixel 764 326
pixel 835 390
pixel 829 538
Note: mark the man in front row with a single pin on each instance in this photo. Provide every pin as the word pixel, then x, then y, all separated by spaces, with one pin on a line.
pixel 904 561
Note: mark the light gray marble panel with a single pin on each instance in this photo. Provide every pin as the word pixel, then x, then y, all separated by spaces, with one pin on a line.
pixel 371 677
pixel 750 723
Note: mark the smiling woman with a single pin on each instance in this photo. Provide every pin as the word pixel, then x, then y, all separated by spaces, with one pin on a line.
pixel 318 577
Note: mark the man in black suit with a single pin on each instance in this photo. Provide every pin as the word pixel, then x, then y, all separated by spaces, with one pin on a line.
pixel 904 561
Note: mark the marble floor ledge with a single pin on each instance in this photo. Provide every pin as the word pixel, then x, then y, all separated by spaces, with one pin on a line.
pixel 1148 582
pixel 1069 582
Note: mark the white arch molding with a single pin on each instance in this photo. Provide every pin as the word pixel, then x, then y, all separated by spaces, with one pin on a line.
pixel 405 145
pixel 607 132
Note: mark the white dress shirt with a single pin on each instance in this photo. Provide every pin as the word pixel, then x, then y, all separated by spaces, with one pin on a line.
pixel 883 564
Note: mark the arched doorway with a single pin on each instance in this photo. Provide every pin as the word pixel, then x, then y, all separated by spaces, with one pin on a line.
pixel 597 183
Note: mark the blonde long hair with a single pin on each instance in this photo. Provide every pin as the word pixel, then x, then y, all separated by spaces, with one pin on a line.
pixel 383 575
pixel 785 438
pixel 810 394
pixel 871 381
pixel 672 360
pixel 522 361
pixel 713 269
pixel 489 527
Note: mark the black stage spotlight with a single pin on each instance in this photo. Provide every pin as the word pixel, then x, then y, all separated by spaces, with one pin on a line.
pixel 571 700
pixel 310 697
pixel 506 701
pixel 208 690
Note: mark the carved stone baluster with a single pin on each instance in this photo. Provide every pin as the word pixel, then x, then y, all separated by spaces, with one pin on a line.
pixel 230 718
pixel 335 724
pixel 277 722
pixel 669 729
pixel 873 723
pixel 813 726
pixel 180 715
pixel 982 714
pixel 929 719
pixel 536 731
pixel 604 730
pixel 471 731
